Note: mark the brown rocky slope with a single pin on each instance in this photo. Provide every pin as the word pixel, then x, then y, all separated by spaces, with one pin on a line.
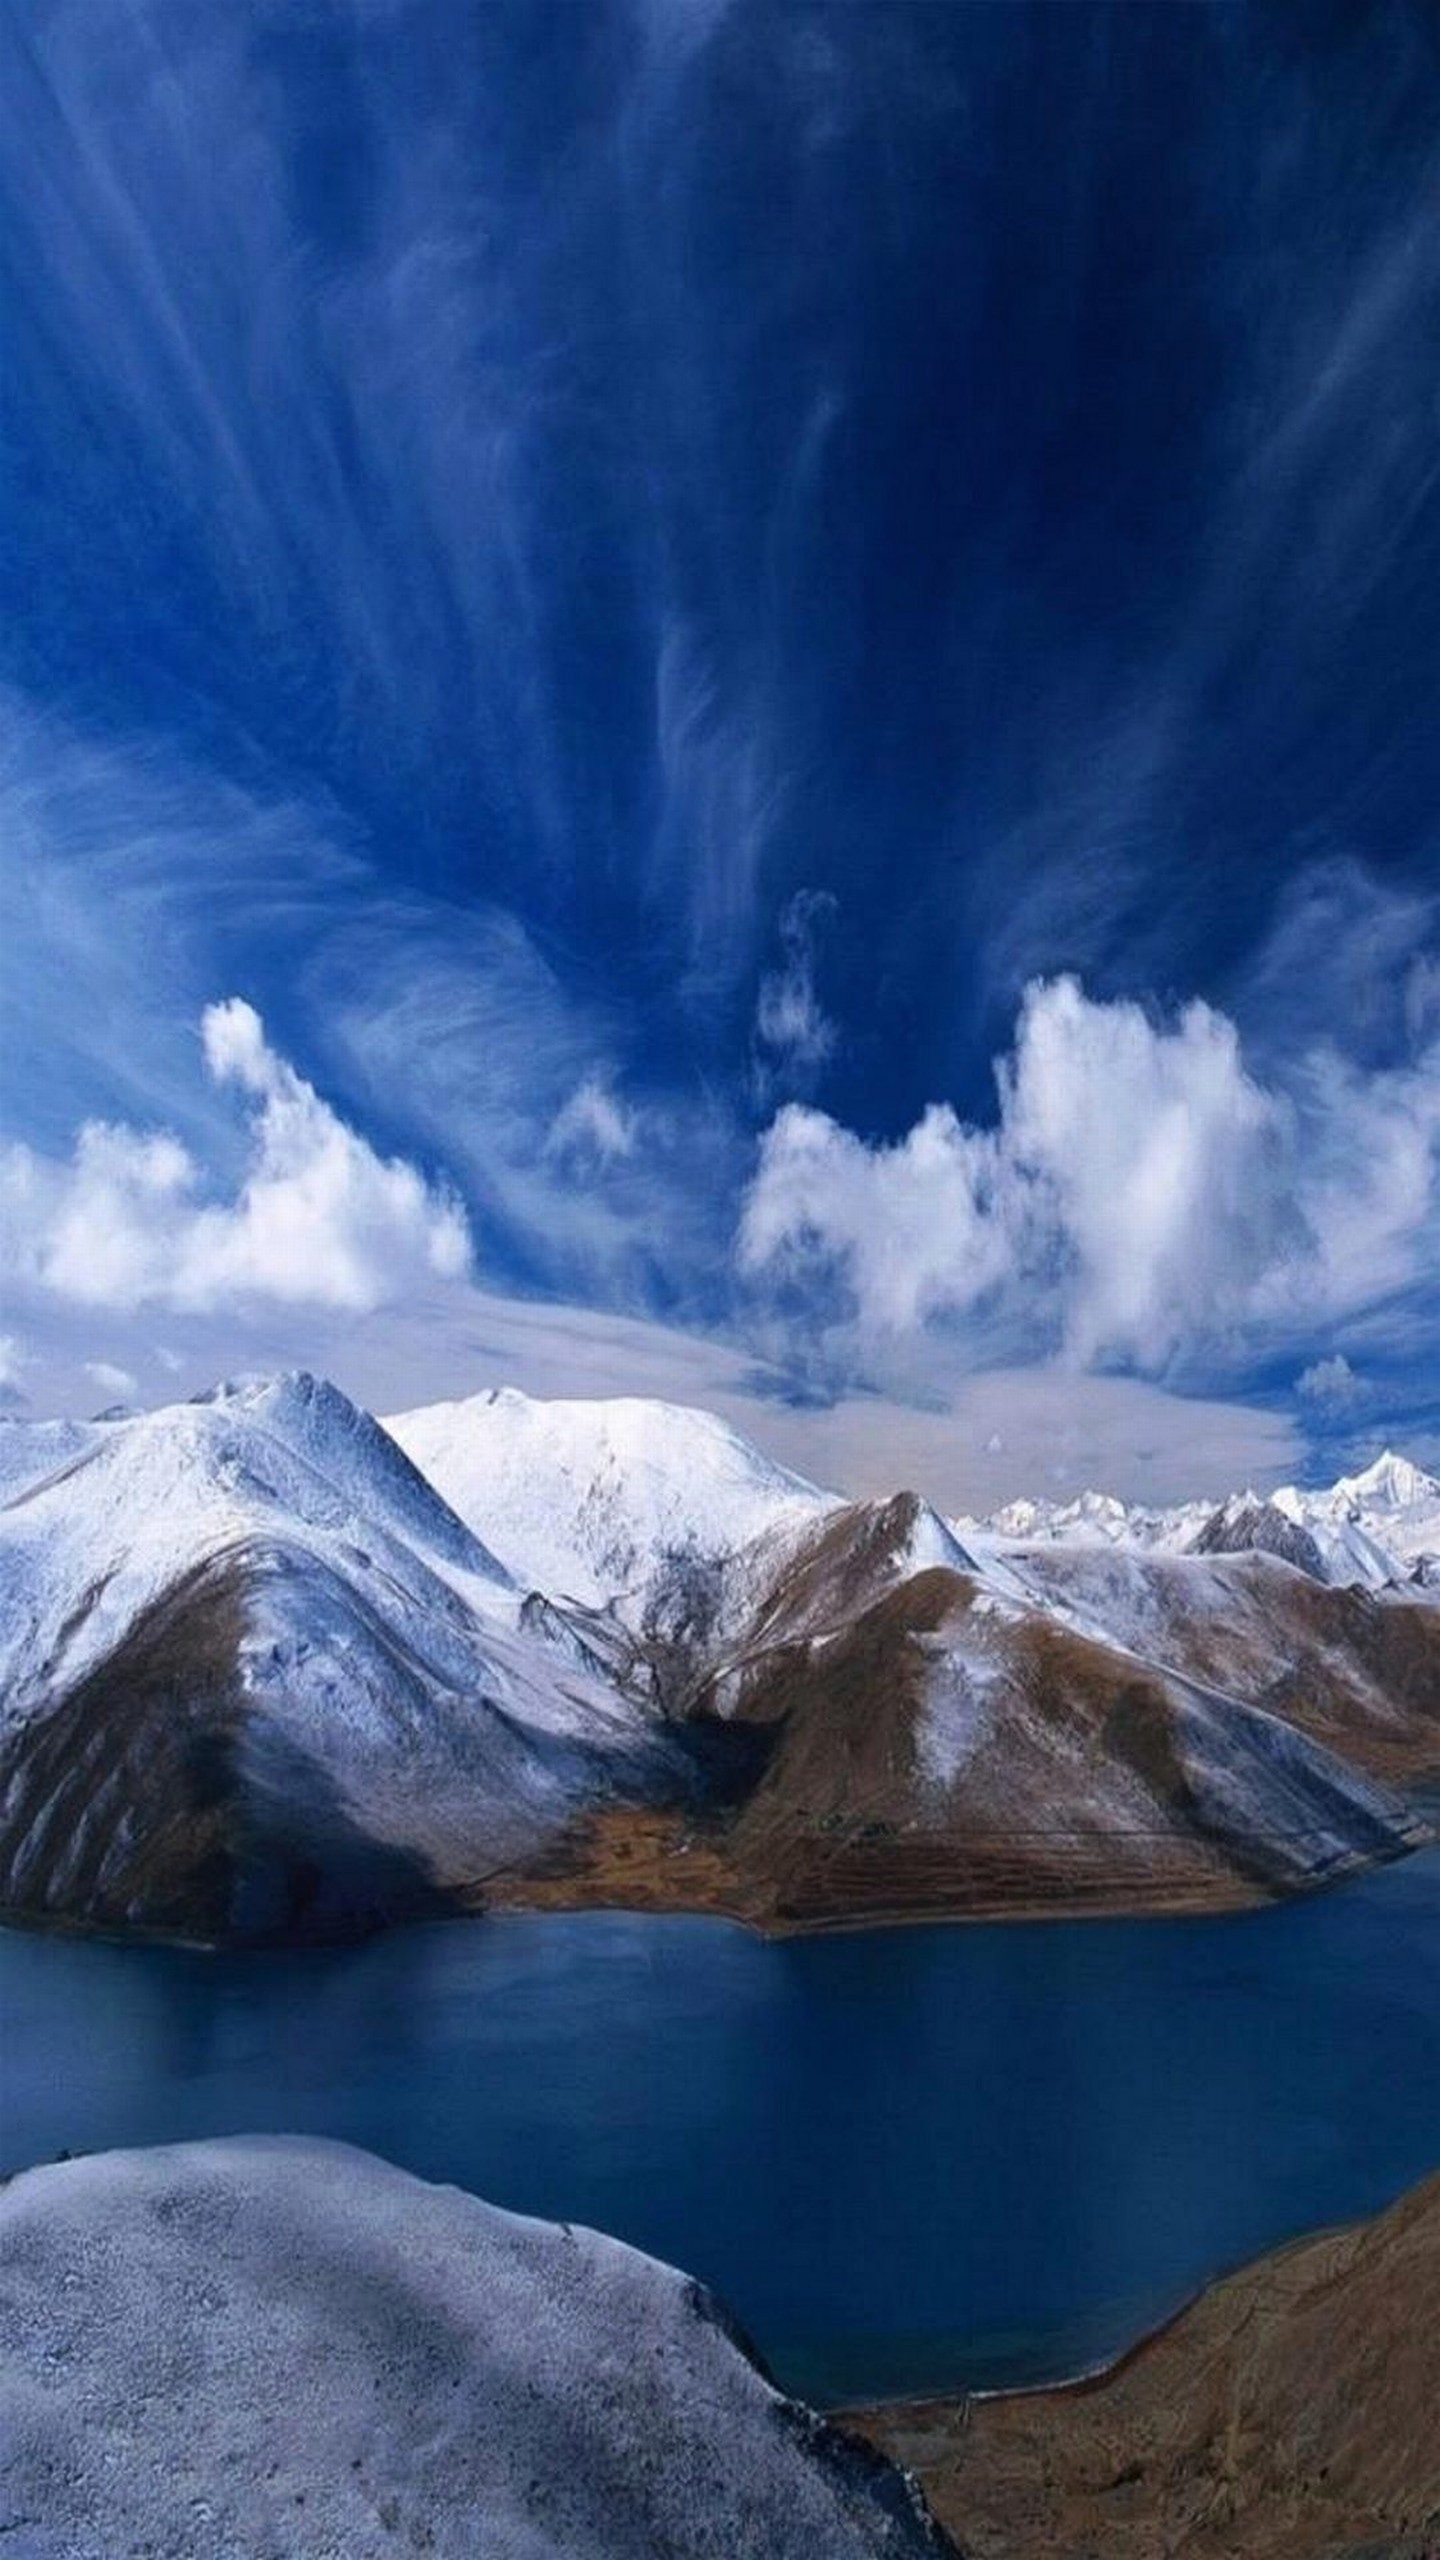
pixel 934 1740
pixel 1292 2413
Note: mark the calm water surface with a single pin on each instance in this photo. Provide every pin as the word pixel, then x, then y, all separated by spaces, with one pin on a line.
pixel 911 2158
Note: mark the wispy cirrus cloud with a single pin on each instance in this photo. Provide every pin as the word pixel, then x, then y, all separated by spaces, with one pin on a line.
pixel 794 1035
pixel 579 1176
pixel 111 1379
pixel 133 878
pixel 1331 1385
pixel 497 523
pixel 594 1124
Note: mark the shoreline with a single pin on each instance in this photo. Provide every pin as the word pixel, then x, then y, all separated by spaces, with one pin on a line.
pixel 541 1894
pixel 1288 2408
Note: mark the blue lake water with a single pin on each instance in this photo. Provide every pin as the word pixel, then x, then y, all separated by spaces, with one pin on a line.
pixel 908 2158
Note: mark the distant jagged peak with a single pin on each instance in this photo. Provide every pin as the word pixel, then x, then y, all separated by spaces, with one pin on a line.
pixel 1369 1528
pixel 1390 1482
pixel 1091 1512
pixel 1246 1525
pixel 1090 1518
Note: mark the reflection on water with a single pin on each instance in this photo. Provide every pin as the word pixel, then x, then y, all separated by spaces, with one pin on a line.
pixel 907 2158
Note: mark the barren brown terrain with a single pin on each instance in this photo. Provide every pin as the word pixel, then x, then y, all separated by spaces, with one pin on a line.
pixel 1291 2413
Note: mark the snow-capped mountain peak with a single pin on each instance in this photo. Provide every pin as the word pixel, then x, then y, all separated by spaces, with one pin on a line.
pixel 96 1524
pixel 589 1499
pixel 1392 1483
pixel 267 1665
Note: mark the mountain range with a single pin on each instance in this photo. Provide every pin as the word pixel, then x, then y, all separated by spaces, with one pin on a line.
pixel 272 1669
pixel 1380 1529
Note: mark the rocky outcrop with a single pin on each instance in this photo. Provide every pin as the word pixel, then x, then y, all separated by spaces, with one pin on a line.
pixel 1292 2413
pixel 1258 1528
pixel 275 2348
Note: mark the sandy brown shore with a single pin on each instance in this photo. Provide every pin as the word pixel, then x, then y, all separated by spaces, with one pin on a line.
pixel 637 1859
pixel 1291 2413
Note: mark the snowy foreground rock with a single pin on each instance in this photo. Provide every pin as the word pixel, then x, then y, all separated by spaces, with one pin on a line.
pixel 270 2349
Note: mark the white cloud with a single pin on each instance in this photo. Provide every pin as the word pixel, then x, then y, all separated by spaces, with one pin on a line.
pixel 593 1123
pixel 1330 1383
pixel 1057 1428
pixel 911 1231
pixel 112 1380
pixel 789 1020
pixel 1421 996
pixel 1151 1158
pixel 1143 1199
pixel 1344 960
pixel 454 1018
pixel 319 1217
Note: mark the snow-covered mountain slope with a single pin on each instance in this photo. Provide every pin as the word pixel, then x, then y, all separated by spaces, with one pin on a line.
pixel 264 2346
pixel 256 1674
pixel 260 1675
pixel 598 1500
pixel 946 1740
pixel 812 1582
pixel 31 1451
pixel 1357 1672
pixel 1377 1528
pixel 102 1528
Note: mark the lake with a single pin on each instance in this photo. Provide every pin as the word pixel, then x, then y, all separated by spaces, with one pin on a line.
pixel 908 2158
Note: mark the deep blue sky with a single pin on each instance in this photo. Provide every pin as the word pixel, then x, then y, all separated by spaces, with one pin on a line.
pixel 614 569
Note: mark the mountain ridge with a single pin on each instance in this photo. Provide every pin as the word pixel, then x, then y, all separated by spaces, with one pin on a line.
pixel 1378 1526
pixel 269 1666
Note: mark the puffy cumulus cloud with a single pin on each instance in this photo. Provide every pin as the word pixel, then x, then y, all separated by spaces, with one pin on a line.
pixel 902 1233
pixel 1143 1199
pixel 318 1218
pixel 1151 1160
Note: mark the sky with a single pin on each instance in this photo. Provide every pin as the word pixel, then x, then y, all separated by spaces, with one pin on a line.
pixel 735 699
